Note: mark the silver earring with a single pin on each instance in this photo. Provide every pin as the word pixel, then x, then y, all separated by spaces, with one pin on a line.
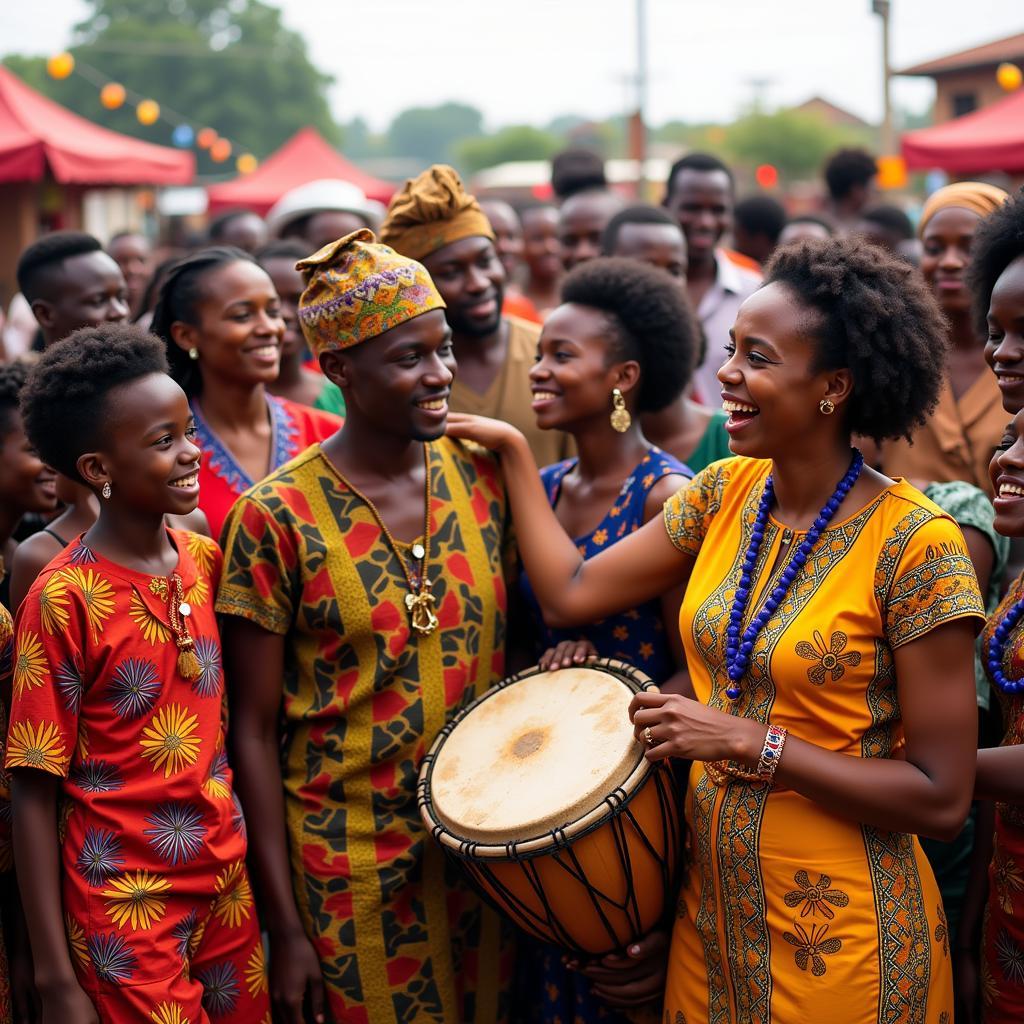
pixel 193 353
pixel 106 492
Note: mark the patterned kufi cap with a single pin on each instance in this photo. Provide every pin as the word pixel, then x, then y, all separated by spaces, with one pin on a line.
pixel 357 288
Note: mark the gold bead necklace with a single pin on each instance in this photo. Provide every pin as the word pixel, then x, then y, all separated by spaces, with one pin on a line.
pixel 419 602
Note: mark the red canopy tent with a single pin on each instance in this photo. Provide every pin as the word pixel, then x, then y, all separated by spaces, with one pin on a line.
pixel 37 134
pixel 990 139
pixel 49 159
pixel 306 156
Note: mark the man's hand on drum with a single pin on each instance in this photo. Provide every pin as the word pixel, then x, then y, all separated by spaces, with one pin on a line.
pixel 671 725
pixel 566 654
pixel 631 979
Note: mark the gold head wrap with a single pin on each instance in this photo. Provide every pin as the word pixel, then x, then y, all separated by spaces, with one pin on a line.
pixel 431 211
pixel 357 288
pixel 975 196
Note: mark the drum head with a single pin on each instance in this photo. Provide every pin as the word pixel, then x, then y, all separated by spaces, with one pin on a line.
pixel 535 756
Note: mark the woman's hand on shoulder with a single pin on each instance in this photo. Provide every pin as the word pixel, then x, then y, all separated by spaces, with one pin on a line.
pixel 495 435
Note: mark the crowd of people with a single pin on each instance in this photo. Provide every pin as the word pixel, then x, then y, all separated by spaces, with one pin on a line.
pixel 275 510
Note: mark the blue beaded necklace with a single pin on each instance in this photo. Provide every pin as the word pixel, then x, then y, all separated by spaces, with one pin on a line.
pixel 996 647
pixel 738 646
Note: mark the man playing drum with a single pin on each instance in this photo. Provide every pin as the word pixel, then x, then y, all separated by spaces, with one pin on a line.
pixel 365 598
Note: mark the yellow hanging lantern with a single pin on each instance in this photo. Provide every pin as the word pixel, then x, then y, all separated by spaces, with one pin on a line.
pixel 220 151
pixel 148 112
pixel 1009 76
pixel 246 163
pixel 60 65
pixel 112 95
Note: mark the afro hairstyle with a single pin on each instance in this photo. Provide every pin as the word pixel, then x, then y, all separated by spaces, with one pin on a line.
pixel 650 319
pixel 63 400
pixel 996 244
pixel 877 319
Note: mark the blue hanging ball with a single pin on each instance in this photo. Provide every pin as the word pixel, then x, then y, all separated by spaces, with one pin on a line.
pixel 183 136
pixel 733 693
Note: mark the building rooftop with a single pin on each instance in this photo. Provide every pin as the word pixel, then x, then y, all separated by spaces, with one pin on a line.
pixel 1010 48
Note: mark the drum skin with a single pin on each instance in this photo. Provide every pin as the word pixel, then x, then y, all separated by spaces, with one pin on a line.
pixel 592 884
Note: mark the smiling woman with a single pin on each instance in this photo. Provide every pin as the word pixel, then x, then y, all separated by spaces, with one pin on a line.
pixel 220 320
pixel 828 625
pixel 957 440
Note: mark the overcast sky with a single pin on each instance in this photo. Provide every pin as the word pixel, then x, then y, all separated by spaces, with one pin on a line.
pixel 530 60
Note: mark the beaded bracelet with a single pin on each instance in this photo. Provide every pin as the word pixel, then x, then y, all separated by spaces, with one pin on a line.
pixel 722 773
pixel 774 741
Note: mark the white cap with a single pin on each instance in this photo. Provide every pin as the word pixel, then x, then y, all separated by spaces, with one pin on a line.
pixel 326 194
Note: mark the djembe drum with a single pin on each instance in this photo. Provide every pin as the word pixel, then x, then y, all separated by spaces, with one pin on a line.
pixel 539 790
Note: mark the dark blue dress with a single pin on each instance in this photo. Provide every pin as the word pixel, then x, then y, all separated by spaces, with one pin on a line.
pixel 549 991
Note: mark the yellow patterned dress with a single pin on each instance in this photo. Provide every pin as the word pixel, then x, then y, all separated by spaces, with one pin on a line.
pixel 792 914
pixel 363 700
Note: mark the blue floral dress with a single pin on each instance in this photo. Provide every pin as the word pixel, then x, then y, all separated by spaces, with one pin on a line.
pixel 550 992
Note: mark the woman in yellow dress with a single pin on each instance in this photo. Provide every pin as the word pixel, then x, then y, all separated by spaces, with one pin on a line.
pixel 828 624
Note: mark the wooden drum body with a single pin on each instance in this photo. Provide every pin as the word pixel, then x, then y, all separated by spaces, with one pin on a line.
pixel 540 791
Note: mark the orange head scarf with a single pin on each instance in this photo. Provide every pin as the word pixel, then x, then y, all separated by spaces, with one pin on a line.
pixel 431 211
pixel 975 196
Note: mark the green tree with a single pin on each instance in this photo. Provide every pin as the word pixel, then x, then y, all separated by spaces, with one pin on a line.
pixel 795 142
pixel 430 133
pixel 228 64
pixel 517 142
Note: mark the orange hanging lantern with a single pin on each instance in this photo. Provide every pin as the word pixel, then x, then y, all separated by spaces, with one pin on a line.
pixel 220 151
pixel 246 163
pixel 1009 76
pixel 206 138
pixel 112 95
pixel 60 65
pixel 148 112
pixel 892 172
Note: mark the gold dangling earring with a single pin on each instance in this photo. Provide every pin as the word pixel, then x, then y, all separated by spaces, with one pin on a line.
pixel 827 406
pixel 620 418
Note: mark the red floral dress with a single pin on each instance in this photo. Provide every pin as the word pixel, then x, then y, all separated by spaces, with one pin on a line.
pixel 157 903
pixel 293 428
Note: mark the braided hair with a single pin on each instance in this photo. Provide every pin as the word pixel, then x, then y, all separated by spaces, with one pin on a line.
pixel 178 302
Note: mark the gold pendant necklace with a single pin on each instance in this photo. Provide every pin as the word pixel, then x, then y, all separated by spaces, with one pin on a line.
pixel 419 602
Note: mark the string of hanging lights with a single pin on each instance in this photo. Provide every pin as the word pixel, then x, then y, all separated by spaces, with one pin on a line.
pixel 113 95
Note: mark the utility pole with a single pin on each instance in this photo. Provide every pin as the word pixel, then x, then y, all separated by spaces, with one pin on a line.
pixel 637 126
pixel 883 9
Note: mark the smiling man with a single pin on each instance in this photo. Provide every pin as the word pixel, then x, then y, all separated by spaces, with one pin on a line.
pixel 701 195
pixel 434 220
pixel 364 603
pixel 70 282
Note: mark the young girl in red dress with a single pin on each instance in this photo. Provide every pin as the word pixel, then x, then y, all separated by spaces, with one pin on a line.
pixel 129 844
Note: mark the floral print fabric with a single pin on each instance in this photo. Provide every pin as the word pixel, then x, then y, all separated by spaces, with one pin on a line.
pixel 790 912
pixel 158 907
